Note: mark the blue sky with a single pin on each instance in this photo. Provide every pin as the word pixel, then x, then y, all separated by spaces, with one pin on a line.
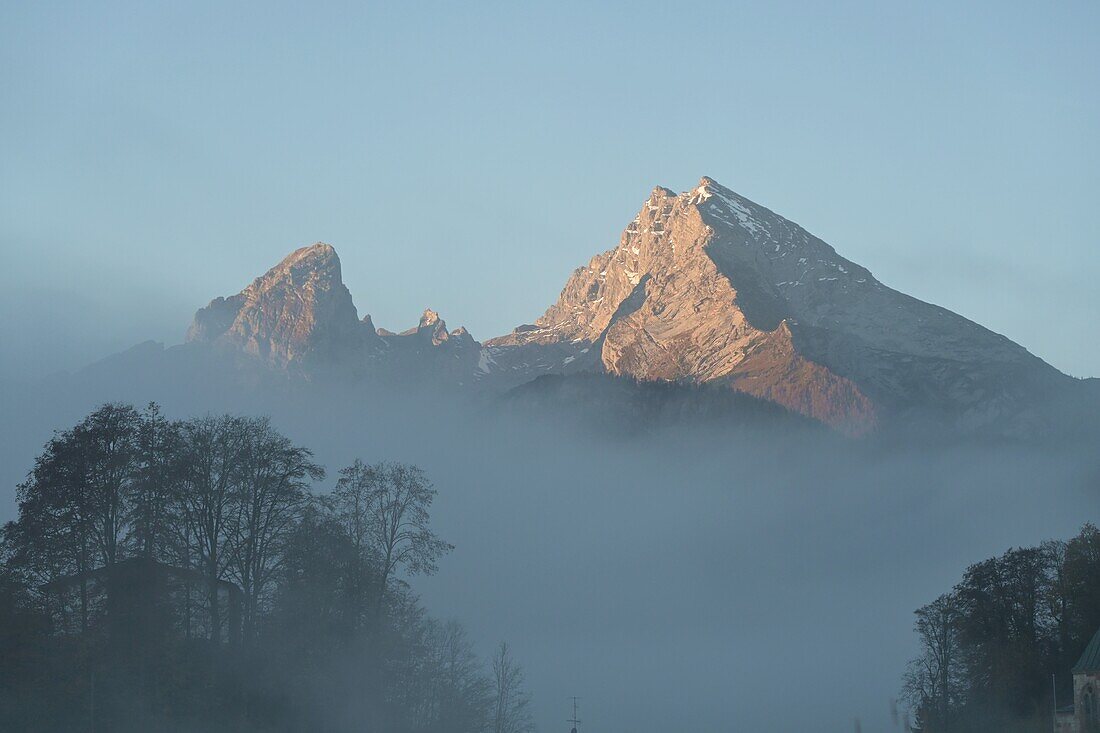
pixel 468 156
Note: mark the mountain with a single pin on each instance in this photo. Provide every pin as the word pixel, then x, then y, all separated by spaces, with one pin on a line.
pixel 704 288
pixel 299 317
pixel 709 287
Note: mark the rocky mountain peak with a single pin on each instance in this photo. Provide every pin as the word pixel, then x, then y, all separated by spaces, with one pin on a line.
pixel 707 187
pixel 708 286
pixel 703 287
pixel 297 311
pixel 429 318
pixel 461 338
pixel 318 253
pixel 432 326
pixel 307 268
pixel 315 266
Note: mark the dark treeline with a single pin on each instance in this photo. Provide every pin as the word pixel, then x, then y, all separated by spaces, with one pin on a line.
pixel 989 648
pixel 183 575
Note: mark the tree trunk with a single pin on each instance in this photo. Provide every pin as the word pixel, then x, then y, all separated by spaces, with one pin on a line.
pixel 83 605
pixel 212 596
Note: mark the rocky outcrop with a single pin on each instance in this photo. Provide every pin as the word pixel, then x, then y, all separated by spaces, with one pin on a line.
pixel 431 328
pixel 430 355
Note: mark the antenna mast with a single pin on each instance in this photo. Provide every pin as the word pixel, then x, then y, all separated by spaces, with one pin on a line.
pixel 574 719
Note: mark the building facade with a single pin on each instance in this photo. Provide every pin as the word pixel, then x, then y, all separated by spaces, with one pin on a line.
pixel 1083 716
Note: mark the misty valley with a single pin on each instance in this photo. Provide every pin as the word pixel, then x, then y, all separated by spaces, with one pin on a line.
pixel 211 573
pixel 665 498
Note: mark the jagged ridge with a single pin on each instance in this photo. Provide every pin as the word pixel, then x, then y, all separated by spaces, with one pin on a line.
pixel 299 316
pixel 704 287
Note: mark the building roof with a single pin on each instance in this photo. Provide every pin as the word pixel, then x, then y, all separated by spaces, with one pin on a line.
pixel 1090 658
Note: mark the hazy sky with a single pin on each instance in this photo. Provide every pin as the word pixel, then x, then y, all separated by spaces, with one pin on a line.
pixel 468 158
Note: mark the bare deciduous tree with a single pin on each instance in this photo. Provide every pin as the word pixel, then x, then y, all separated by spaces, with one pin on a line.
pixel 108 442
pixel 73 505
pixel 932 683
pixel 385 507
pixel 150 502
pixel 351 505
pixel 270 485
pixel 511 703
pixel 451 691
pixel 211 450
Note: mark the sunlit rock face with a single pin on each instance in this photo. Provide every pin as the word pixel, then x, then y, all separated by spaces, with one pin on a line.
pixel 704 287
pixel 299 317
pixel 298 313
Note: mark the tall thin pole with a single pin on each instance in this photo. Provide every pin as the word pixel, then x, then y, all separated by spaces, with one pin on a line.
pixel 574 719
pixel 1054 714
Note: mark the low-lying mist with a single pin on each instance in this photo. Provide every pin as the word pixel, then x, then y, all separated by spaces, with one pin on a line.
pixel 674 579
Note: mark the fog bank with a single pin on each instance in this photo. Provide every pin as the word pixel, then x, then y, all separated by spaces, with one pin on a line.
pixel 676 579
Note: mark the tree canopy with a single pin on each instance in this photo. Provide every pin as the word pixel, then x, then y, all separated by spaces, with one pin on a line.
pixel 179 574
pixel 990 646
